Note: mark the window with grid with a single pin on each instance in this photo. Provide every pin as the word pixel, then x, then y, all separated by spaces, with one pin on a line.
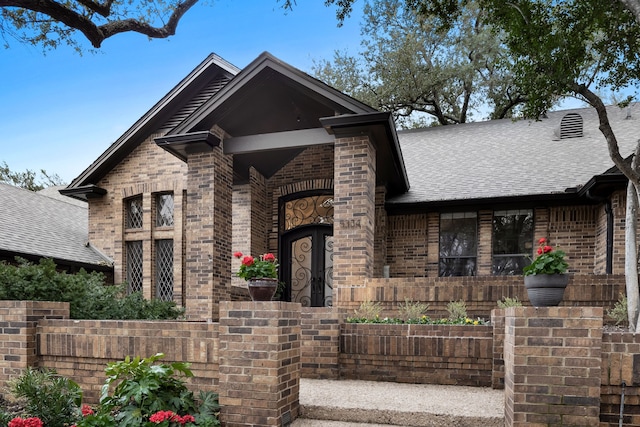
pixel 164 269
pixel 134 266
pixel 458 244
pixel 512 240
pixel 164 210
pixel 133 217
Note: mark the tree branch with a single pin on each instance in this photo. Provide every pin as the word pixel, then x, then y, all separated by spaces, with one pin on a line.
pixel 94 33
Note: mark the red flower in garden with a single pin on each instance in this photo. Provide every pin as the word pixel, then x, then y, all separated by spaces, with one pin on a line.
pixel 248 261
pixel 547 249
pixel 86 410
pixel 161 416
pixel 237 254
pixel 542 241
pixel 187 419
pixel 29 422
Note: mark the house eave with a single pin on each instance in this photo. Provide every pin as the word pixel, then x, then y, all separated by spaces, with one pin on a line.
pixel 183 145
pixel 84 192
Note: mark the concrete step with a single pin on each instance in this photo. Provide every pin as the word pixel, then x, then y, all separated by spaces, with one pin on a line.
pixel 349 403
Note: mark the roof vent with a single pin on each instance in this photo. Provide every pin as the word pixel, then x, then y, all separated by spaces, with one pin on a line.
pixel 571 126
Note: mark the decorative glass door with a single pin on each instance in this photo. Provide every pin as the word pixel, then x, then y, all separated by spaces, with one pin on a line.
pixel 307 265
pixel 306 249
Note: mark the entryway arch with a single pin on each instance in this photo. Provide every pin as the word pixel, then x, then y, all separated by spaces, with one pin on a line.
pixel 306 248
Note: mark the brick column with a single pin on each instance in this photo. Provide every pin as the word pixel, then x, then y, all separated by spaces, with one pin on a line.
pixel 354 212
pixel 208 225
pixel 497 373
pixel 552 366
pixel 259 363
pixel 18 323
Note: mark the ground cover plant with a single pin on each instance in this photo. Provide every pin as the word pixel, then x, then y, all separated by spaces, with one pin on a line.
pixel 86 293
pixel 411 312
pixel 138 392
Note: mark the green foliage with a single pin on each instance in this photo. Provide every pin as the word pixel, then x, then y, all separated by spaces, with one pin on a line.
pixel 457 310
pixel 423 73
pixel 368 311
pixel 137 388
pixel 410 310
pixel 509 302
pixel 86 293
pixel 619 312
pixel 265 266
pixel 54 399
pixel 548 261
pixel 28 179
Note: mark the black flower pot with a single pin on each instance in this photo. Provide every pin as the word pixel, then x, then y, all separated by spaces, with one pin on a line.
pixel 262 289
pixel 546 290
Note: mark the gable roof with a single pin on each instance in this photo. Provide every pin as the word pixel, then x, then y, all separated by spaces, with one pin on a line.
pixel 206 79
pixel 37 225
pixel 497 160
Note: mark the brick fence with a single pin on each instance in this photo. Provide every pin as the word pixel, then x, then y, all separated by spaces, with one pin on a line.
pixel 288 342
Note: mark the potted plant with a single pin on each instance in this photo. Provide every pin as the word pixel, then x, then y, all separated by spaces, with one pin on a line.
pixel 261 274
pixel 545 277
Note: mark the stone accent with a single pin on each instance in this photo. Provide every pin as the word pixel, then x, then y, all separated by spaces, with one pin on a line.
pixel 552 366
pixel 259 363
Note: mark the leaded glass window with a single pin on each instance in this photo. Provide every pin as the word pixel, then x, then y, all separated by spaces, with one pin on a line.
pixel 134 266
pixel 458 244
pixel 133 213
pixel 308 210
pixel 512 240
pixel 164 210
pixel 164 269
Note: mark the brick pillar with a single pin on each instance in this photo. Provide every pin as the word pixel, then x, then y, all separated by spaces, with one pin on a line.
pixel 208 225
pixel 354 212
pixel 552 366
pixel 18 346
pixel 497 373
pixel 259 363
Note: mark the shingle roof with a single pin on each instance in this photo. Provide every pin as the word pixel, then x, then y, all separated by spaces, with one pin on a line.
pixel 503 158
pixel 36 224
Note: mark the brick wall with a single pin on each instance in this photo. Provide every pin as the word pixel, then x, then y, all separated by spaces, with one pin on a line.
pixel 620 364
pixel 81 350
pixel 428 354
pixel 320 342
pixel 479 293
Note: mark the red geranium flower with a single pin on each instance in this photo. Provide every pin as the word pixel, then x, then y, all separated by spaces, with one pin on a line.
pixel 248 261
pixel 237 254
pixel 86 410
pixel 269 257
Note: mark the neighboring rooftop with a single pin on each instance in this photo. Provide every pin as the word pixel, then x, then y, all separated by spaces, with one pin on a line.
pixel 506 158
pixel 41 225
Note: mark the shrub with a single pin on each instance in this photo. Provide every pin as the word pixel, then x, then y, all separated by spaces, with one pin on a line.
pixel 142 388
pixel 54 399
pixel 457 310
pixel 411 311
pixel 619 311
pixel 368 311
pixel 86 293
pixel 509 302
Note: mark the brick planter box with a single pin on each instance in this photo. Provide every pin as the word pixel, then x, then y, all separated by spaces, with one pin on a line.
pixel 432 354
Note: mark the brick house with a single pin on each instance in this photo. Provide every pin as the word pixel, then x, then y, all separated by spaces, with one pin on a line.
pixel 270 159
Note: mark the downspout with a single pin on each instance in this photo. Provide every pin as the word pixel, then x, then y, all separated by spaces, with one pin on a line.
pixel 608 209
pixel 623 385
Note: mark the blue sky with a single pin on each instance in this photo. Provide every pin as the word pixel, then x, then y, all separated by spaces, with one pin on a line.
pixel 59 111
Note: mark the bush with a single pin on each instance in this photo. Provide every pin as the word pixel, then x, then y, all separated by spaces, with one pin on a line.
pixel 412 311
pixel 506 302
pixel 619 311
pixel 54 399
pixel 457 310
pixel 142 388
pixel 86 293
pixel 368 311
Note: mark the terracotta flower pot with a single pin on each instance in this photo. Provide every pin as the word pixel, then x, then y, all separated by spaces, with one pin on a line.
pixel 262 289
pixel 546 290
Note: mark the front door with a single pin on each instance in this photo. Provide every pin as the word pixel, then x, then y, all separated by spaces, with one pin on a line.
pixel 307 265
